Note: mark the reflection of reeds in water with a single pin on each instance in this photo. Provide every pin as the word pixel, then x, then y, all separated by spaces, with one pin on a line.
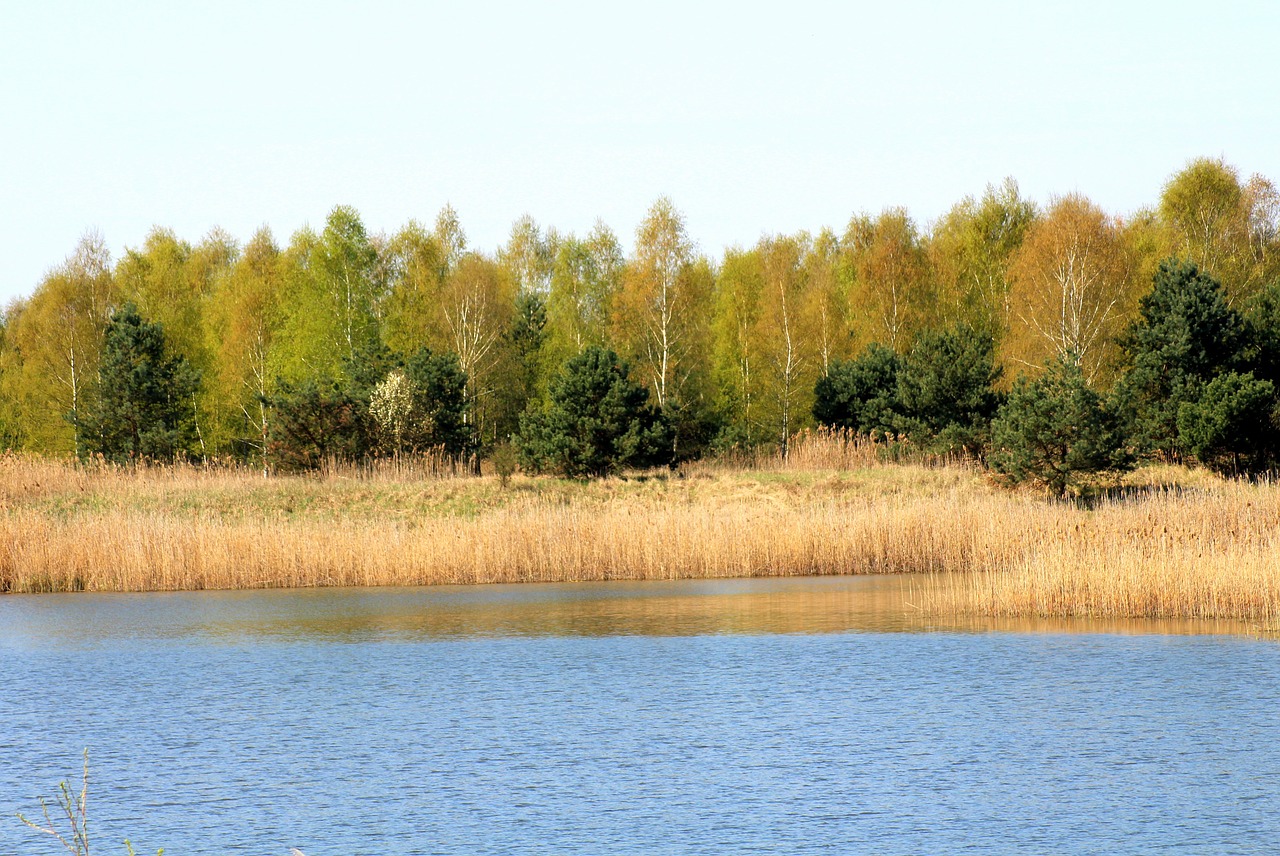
pixel 1207 549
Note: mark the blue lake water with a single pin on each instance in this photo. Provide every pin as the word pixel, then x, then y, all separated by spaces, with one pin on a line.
pixel 763 716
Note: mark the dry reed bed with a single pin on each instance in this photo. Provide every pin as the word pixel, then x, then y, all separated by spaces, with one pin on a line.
pixel 1205 550
pixel 632 537
pixel 1204 554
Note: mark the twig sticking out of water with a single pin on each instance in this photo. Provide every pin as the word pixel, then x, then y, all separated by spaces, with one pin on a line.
pixel 73 806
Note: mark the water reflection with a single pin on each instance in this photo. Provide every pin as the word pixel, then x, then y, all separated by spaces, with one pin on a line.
pixel 813 605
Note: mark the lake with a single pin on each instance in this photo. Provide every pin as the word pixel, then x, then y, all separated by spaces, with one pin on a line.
pixel 815 715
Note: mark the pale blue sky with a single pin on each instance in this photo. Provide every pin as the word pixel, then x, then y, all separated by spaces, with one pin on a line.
pixel 753 118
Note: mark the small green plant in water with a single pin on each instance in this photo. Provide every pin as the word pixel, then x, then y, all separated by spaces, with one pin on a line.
pixel 74 839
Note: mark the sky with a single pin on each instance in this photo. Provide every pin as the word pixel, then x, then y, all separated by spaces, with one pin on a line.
pixel 754 119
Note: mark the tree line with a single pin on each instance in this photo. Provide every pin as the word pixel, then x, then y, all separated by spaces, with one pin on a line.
pixel 348 344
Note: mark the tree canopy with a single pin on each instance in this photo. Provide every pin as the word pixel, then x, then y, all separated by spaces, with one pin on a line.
pixel 890 325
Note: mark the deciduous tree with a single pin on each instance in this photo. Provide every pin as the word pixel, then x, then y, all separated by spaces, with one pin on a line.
pixel 826 303
pixel 53 341
pixel 243 319
pixel 657 306
pixel 891 285
pixel 785 344
pixel 971 248
pixel 586 276
pixel 529 256
pixel 1071 287
pixel 416 263
pixel 476 302
pixel 739 286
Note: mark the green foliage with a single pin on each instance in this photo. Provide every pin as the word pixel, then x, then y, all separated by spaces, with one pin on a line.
pixel 1184 336
pixel 367 367
pixel 585 277
pixel 860 394
pixel 385 405
pixel 314 421
pixel 332 290
pixel 730 350
pixel 1232 427
pixel 598 420
pixel 49 356
pixel 1054 430
pixel 940 393
pixel 972 246
pixel 438 387
pixel 1262 318
pixel 695 425
pixel 1226 228
pixel 521 370
pixel 505 459
pixel 146 407
pixel 345 267
pixel 73 806
pixel 945 389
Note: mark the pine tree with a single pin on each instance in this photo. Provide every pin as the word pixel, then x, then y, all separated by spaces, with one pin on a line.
pixel 1232 427
pixel 146 407
pixel 860 394
pixel 1055 429
pixel 945 389
pixel 1185 335
pixel 598 421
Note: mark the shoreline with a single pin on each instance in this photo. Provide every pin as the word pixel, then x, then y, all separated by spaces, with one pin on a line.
pixel 1168 544
pixel 824 605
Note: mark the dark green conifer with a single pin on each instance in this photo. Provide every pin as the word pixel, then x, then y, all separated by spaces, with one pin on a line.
pixel 1054 429
pixel 1232 427
pixel 1185 335
pixel 860 394
pixel 146 409
pixel 598 420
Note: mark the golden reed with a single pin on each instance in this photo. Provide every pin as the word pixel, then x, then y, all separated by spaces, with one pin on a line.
pixel 1181 545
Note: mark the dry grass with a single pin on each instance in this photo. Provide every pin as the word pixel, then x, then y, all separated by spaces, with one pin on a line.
pixel 1171 543
pixel 1161 552
pixel 110 529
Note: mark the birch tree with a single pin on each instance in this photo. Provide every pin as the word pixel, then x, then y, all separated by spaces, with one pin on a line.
pixel 585 278
pixel 826 306
pixel 737 314
pixel 785 344
pixel 245 317
pixel 970 249
pixel 476 302
pixel 891 290
pixel 656 304
pixel 416 263
pixel 1071 282
pixel 344 269
pixel 529 256
pixel 53 342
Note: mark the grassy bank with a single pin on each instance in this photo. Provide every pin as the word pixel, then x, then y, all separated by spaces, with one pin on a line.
pixel 1170 543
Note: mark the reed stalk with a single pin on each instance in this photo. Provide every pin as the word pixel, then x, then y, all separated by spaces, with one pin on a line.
pixel 1169 543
